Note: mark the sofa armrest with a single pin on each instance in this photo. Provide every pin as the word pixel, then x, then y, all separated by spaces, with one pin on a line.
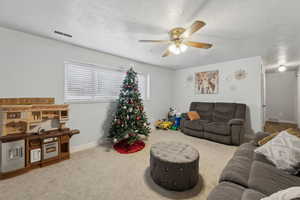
pixel 236 122
pixel 184 116
pixel 237 129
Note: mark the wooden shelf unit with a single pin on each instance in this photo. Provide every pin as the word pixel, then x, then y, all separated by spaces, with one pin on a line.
pixel 16 119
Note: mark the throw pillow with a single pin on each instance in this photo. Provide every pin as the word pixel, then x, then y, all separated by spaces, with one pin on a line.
pixel 193 115
pixel 288 194
pixel 283 150
pixel 291 131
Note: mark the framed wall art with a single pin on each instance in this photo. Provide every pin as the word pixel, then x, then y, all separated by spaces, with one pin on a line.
pixel 207 82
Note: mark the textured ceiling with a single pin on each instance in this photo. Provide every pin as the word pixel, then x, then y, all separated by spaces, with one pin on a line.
pixel 237 28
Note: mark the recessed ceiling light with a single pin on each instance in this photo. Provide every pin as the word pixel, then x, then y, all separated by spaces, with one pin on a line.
pixel 281 68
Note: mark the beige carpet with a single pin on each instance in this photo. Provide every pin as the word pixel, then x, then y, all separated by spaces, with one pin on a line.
pixel 101 173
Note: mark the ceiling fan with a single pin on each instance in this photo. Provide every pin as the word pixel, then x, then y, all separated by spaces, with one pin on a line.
pixel 178 42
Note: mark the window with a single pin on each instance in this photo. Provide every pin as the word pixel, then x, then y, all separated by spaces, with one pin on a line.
pixel 84 83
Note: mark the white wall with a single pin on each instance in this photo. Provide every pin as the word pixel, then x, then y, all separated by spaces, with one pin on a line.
pixel 246 91
pixel 298 95
pixel 32 66
pixel 281 98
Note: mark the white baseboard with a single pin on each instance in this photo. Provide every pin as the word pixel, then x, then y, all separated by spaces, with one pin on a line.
pixel 84 147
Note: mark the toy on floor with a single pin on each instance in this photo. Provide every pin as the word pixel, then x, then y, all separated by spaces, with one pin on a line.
pixel 176 124
pixel 157 123
pixel 172 114
pixel 162 124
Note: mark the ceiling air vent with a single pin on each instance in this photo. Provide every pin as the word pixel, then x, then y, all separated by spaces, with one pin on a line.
pixel 63 34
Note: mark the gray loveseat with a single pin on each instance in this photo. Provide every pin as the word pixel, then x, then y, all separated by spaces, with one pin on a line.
pixel 220 122
pixel 250 176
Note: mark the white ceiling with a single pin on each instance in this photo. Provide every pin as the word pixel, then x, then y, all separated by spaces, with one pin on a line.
pixel 236 28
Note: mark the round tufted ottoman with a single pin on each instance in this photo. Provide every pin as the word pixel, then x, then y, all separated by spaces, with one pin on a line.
pixel 174 165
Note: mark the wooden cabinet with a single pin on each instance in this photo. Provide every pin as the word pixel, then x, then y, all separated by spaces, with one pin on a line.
pixel 65 146
pixel 40 150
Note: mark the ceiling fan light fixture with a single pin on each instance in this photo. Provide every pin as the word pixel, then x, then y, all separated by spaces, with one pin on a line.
pixel 182 48
pixel 178 39
pixel 174 49
pixel 177 49
pixel 281 68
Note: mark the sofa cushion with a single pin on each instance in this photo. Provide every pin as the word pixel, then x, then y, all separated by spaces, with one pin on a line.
pixel 223 112
pixel 194 133
pixel 231 191
pixel 226 190
pixel 261 158
pixel 250 194
pixel 235 121
pixel 217 138
pixel 219 128
pixel 245 150
pixel 267 179
pixel 195 124
pixel 237 171
pixel 205 110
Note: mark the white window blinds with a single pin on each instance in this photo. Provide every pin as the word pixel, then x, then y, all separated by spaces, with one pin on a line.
pixel 91 83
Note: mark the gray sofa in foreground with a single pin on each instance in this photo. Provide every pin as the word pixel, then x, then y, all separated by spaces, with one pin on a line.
pixel 250 176
pixel 219 122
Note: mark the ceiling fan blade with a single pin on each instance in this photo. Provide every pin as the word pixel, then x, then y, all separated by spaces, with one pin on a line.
pixel 167 53
pixel 198 44
pixel 193 28
pixel 158 41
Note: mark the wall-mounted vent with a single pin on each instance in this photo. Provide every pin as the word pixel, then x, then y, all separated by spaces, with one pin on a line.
pixel 63 34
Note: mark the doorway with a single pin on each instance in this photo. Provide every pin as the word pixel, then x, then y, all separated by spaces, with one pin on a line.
pixel 281 100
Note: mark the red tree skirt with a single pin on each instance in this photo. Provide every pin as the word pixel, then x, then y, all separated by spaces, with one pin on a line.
pixel 124 148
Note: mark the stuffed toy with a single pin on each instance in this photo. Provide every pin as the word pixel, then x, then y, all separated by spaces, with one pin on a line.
pixel 172 114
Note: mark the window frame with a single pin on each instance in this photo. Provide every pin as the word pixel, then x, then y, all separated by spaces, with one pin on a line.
pixel 101 100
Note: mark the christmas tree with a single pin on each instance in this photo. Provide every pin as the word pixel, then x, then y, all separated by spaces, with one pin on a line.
pixel 130 120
